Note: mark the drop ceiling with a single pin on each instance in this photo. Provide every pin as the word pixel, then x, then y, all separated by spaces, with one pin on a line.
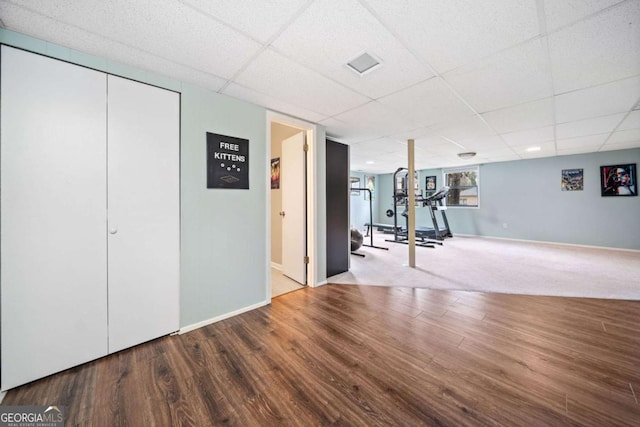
pixel 495 77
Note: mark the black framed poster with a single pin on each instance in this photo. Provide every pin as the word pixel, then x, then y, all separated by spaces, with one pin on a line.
pixel 227 162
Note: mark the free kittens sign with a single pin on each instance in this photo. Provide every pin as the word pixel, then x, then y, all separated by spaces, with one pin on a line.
pixel 227 162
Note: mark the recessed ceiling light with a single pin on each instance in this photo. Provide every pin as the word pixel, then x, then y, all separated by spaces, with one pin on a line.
pixel 370 162
pixel 532 149
pixel 467 155
pixel 364 63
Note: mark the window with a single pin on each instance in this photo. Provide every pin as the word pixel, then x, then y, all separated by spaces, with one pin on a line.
pixel 463 185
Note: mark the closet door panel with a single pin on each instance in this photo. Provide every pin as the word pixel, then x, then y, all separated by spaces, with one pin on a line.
pixel 144 212
pixel 53 216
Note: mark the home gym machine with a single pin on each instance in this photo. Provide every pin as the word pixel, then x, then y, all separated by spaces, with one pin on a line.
pixel 356 236
pixel 428 237
pixel 434 202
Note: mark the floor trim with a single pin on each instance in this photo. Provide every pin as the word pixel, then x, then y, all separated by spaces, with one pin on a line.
pixel 203 323
pixel 609 248
pixel 276 266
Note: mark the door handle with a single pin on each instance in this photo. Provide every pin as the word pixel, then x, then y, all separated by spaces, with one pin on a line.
pixel 282 214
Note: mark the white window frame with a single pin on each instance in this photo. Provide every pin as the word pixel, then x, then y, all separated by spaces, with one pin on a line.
pixel 476 169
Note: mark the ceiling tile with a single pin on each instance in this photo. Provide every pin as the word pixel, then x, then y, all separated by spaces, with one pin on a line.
pixel 463 130
pixel 260 20
pixel 381 145
pixel 547 149
pixel 271 103
pixel 170 30
pixel 529 136
pixel 280 78
pixel 625 136
pixel 598 50
pixel 374 118
pixel 620 146
pixel 592 126
pixel 508 78
pixel 428 103
pixel 631 122
pixel 330 33
pixel 592 141
pixel 84 41
pixel 531 115
pixel 578 150
pixel 450 33
pixel 616 97
pixel 560 13
pixel 484 143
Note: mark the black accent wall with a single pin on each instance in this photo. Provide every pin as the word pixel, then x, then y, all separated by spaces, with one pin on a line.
pixel 338 244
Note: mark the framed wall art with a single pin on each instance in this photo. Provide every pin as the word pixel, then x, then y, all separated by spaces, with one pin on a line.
pixel 618 180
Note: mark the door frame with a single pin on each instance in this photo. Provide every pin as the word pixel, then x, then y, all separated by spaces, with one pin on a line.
pixel 311 133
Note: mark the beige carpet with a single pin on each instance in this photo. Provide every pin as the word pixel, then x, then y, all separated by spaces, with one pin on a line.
pixel 505 266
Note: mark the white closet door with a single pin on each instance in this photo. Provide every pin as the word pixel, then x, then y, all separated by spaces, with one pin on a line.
pixel 52 221
pixel 144 212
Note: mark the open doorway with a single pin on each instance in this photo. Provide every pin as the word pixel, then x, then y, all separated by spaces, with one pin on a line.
pixel 288 210
pixel 305 253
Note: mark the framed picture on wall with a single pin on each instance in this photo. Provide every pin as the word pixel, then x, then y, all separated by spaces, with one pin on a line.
pixel 430 185
pixel 275 173
pixel 618 180
pixel 572 180
pixel 370 183
pixel 355 183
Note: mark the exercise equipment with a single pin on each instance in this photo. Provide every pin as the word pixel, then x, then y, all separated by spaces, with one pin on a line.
pixel 370 235
pixel 434 203
pixel 427 236
pixel 356 241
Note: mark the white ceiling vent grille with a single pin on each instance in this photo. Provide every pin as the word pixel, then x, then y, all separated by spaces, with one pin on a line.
pixel 364 63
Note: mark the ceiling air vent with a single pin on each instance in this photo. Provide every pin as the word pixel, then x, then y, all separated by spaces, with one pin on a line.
pixel 364 63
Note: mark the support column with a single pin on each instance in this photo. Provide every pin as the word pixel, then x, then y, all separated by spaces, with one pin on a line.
pixel 411 201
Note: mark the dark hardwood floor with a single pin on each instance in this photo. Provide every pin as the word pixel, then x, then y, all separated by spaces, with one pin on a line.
pixel 362 356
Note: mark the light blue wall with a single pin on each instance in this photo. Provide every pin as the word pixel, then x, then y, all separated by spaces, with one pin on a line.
pixel 223 232
pixel 526 196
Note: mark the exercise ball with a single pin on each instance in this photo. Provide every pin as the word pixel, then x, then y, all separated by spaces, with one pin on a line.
pixel 356 239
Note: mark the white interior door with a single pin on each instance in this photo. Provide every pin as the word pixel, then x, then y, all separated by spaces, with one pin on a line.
pixel 292 181
pixel 144 212
pixel 53 228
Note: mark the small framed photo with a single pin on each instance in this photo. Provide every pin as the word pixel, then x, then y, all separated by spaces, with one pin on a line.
pixel 572 180
pixel 618 180
pixel 431 184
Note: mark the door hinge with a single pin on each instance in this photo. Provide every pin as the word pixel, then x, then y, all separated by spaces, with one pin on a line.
pixel 306 147
pixel 306 260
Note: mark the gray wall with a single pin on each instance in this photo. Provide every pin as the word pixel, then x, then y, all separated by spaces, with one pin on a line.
pixel 526 196
pixel 223 232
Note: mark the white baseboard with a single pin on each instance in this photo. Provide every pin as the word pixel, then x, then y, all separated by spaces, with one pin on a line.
pixel 324 282
pixel 276 266
pixel 2 395
pixel 608 248
pixel 195 326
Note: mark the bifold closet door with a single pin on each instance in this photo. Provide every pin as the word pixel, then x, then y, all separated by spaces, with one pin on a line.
pixel 52 221
pixel 143 212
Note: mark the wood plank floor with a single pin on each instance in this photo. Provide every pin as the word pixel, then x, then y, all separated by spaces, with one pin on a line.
pixel 358 355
